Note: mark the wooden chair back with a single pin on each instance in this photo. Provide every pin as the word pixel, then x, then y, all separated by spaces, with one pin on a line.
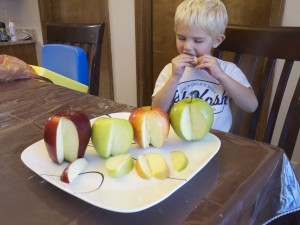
pixel 255 50
pixel 87 36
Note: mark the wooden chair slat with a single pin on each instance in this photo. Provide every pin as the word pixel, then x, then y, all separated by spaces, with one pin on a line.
pixel 291 125
pixel 266 77
pixel 278 100
pixel 237 59
pixel 264 45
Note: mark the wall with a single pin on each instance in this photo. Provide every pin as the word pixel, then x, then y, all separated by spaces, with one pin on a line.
pixel 25 14
pixel 122 30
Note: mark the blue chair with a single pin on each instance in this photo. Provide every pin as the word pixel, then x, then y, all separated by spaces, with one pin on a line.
pixel 87 36
pixel 67 60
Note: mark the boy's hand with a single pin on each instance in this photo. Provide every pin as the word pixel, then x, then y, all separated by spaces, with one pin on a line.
pixel 180 62
pixel 211 65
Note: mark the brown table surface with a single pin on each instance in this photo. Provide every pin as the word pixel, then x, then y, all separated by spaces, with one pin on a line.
pixel 247 182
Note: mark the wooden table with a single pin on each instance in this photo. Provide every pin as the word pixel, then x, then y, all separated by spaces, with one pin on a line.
pixel 247 182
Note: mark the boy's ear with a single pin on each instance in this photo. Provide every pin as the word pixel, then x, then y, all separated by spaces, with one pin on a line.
pixel 218 40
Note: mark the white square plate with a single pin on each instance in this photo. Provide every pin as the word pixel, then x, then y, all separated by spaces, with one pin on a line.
pixel 130 193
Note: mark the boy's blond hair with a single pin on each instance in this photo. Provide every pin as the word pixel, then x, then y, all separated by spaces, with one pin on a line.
pixel 208 15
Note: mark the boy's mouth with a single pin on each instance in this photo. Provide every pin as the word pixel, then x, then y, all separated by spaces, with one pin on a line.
pixel 189 54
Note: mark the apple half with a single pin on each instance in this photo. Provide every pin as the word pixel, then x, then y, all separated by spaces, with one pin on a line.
pixel 73 170
pixel 119 165
pixel 191 118
pixel 111 136
pixel 66 135
pixel 151 126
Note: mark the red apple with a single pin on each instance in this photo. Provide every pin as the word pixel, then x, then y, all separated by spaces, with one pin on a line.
pixel 151 126
pixel 66 135
pixel 73 170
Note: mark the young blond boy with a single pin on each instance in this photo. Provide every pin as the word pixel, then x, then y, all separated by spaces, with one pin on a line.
pixel 199 27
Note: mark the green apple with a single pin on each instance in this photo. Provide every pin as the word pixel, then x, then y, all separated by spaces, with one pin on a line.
pixel 119 165
pixel 179 160
pixel 111 136
pixel 191 118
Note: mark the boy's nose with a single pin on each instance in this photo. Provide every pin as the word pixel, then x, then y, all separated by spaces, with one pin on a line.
pixel 187 45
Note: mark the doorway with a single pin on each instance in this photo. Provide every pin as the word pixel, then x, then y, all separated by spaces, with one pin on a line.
pixel 155 37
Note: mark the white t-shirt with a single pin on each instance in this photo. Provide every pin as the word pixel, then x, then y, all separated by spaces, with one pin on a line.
pixel 202 85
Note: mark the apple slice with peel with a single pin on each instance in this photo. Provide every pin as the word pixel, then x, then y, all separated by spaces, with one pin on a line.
pixel 158 165
pixel 119 165
pixel 179 160
pixel 73 170
pixel 142 167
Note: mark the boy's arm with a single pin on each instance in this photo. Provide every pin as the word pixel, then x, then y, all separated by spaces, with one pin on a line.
pixel 164 98
pixel 242 96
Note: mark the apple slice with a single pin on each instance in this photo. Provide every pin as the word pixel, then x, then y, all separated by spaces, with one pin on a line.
pixel 142 167
pixel 195 60
pixel 119 165
pixel 73 170
pixel 158 165
pixel 179 161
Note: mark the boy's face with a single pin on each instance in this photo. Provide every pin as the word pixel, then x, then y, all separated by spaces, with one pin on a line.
pixel 194 41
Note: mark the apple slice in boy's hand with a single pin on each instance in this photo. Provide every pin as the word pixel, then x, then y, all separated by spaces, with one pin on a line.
pixel 73 170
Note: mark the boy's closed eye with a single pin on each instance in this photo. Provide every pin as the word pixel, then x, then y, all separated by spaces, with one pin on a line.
pixel 198 41
pixel 181 38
